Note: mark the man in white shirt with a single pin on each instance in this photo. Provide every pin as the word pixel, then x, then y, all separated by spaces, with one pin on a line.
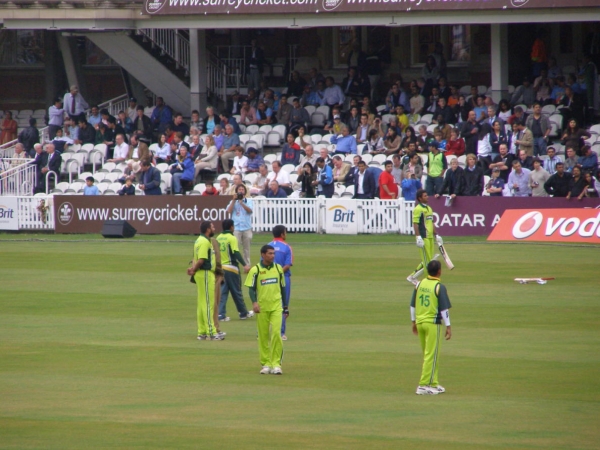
pixel 240 162
pixel 121 149
pixel 73 103
pixel 333 94
pixel 281 176
pixel 132 109
pixel 518 180
pixel 550 163
pixel 56 115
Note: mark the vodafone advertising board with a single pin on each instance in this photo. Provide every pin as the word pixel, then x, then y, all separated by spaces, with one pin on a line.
pixel 549 225
pixel 152 214
pixel 477 216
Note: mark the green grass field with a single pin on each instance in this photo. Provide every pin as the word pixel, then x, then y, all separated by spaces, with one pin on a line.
pixel 98 350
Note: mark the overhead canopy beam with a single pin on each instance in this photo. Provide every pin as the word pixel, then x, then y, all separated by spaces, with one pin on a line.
pixel 296 21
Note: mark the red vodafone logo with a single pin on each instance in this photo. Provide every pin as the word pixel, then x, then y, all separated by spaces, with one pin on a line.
pixel 527 225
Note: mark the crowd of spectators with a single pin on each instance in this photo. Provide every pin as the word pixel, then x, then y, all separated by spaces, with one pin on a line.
pixel 427 132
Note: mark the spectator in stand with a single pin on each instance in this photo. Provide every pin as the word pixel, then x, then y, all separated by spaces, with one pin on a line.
pixel 231 141
pixel 281 176
pixel 503 162
pixel 571 106
pixel 362 130
pixel 542 87
pixel 30 136
pixel 498 137
pixel 261 182
pixel 240 162
pixel 504 113
pixel 480 110
pixel 197 121
pixel 439 139
pixel 71 129
pixel 296 84
pixel 462 109
pixel 211 120
pixel 19 156
pixel 396 168
pixel 472 178
pixel 121 150
pixel 149 179
pixel 410 185
pixel 413 164
pixel 303 139
pixel 298 116
pixel 208 158
pixel 537 179
pixel 230 120
pixel 290 152
pixel 284 111
pixel 94 117
pixel 391 142
pixel 571 160
pixel 345 144
pixel 131 110
pixel 179 125
pixel 574 137
pixel 161 116
pixel 61 141
pixel 374 144
pixel 495 185
pixel 56 115
pixel 307 178
pixel 128 188
pixel 223 187
pixel 142 123
pixel 513 149
pixel 453 180
pixel 470 133
pixel 484 148
pixel 518 115
pixel 335 126
pixel 333 94
pixel 423 138
pixel 275 191
pixel 87 133
pixel 558 183
pixel 182 171
pixel 164 150
pixel 525 160
pixel 552 161
pixel 518 180
pixel 340 169
pixel 453 98
pixel 589 160
pixel 74 103
pixel 540 129
pixel 195 146
pixel 51 163
pixel 592 185
pixel 89 188
pixel 309 157
pixel 417 102
pixel 577 184
pixel 234 104
pixel 525 141
pixel 323 153
pixel 388 189
pixel 264 114
pixel 254 160
pixel 124 122
pixel 364 185
pixel 524 94
pixel 455 145
pixel 324 179
pixel 210 189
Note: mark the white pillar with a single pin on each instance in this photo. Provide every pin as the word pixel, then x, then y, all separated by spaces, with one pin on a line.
pixel 198 71
pixel 67 55
pixel 499 60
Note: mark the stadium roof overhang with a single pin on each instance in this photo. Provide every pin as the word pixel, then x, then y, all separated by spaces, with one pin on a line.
pixel 282 14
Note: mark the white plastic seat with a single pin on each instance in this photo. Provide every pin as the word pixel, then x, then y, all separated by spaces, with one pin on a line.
pixel 349 158
pixel 386 118
pixel 310 109
pixel 273 139
pixel 112 176
pixel 424 158
pixel 154 147
pixel 380 109
pixel 350 189
pixel 367 158
pixel 380 158
pixel 166 177
pixel 63 186
pixel 101 148
pixel 289 168
pixel 318 119
pixel 270 158
pixel 244 138
pixel 431 128
pixel 360 148
pixel 251 177
pixel 200 187
pixel 252 129
pixel 109 166
pixel 76 186
pixel 265 129
pixel 548 109
pixel 323 109
pixel 426 118
pixel 281 130
pixel 102 187
pixel 162 167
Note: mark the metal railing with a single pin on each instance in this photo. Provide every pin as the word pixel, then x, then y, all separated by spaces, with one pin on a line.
pixel 19 179
pixel 234 56
pixel 171 43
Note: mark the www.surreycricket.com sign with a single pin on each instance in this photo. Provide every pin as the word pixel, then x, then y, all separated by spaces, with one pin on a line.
pixel 176 7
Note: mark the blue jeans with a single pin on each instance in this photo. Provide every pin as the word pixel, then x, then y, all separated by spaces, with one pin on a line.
pixel 176 183
pixel 433 185
pixel 232 284
pixel 539 146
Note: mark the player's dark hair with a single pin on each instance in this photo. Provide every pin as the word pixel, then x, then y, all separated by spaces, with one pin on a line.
pixel 227 224
pixel 434 267
pixel 387 163
pixel 265 248
pixel 205 226
pixel 420 193
pixel 278 230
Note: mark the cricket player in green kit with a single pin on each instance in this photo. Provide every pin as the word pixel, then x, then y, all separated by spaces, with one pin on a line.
pixel 424 227
pixel 428 308
pixel 203 271
pixel 267 292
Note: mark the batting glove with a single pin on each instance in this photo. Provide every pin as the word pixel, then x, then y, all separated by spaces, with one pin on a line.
pixel 420 242
pixel 439 240
pixel 286 312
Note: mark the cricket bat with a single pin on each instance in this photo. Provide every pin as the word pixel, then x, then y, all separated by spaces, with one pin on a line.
pixel 444 254
pixel 533 280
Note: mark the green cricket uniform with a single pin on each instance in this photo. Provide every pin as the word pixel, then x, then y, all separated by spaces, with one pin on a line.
pixel 431 303
pixel 267 287
pixel 205 282
pixel 230 252
pixel 423 216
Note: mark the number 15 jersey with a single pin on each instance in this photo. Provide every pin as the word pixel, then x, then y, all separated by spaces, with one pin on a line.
pixel 429 299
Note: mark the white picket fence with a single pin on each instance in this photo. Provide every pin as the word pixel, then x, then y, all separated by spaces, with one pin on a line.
pixel 308 215
pixel 17 177
pixel 299 215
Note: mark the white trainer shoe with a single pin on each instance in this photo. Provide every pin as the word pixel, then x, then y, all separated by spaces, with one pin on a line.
pixel 202 337
pixel 265 370
pixel 439 388
pixel 250 314
pixel 276 371
pixel 426 390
